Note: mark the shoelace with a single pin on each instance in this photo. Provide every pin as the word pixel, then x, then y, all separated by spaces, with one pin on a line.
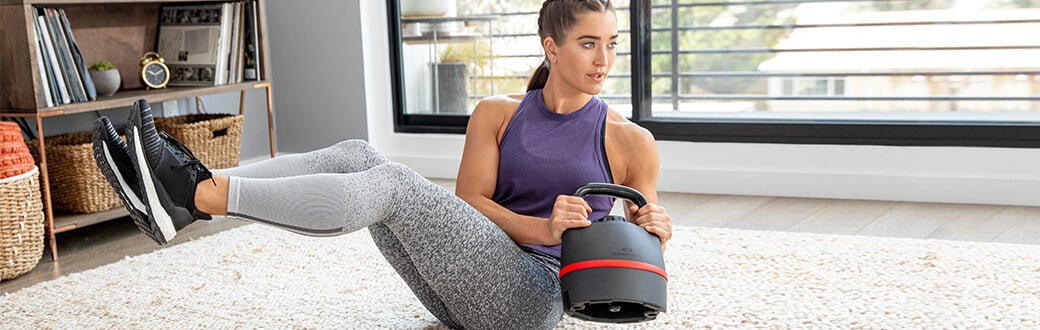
pixel 192 160
pixel 198 163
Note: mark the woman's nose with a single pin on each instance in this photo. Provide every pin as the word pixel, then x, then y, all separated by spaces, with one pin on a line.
pixel 602 57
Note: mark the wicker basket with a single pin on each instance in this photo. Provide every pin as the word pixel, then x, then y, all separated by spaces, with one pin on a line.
pixel 12 164
pixel 10 131
pixel 76 183
pixel 15 158
pixel 215 139
pixel 21 224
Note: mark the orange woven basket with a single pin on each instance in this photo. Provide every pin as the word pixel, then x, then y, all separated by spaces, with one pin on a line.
pixel 15 158
pixel 9 131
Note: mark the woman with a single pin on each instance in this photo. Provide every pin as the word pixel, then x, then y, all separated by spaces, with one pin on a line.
pixel 468 271
pixel 509 139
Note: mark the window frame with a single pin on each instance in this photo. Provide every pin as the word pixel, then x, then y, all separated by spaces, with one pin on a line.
pixel 404 122
pixel 832 131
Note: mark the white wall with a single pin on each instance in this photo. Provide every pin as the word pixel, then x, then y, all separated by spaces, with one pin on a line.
pixel 316 73
pixel 930 174
pixel 254 142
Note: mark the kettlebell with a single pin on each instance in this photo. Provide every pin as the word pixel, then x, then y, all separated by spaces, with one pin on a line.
pixel 612 271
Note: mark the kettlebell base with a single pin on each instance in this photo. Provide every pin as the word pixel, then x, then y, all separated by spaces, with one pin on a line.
pixel 614 295
pixel 614 311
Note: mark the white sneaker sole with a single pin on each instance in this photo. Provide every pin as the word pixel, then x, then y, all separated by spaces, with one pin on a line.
pixel 130 195
pixel 155 208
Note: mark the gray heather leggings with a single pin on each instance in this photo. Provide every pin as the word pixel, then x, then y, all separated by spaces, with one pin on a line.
pixel 459 264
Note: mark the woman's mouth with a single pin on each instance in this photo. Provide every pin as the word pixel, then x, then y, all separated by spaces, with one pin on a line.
pixel 597 76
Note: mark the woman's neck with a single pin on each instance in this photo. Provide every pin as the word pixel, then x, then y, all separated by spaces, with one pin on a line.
pixel 561 98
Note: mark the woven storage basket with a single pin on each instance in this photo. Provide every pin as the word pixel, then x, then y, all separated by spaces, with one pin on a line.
pixel 21 224
pixel 15 158
pixel 215 139
pixel 76 183
pixel 12 164
pixel 10 131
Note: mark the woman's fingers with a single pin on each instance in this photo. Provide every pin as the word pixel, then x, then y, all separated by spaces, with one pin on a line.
pixel 661 229
pixel 655 219
pixel 575 223
pixel 568 212
pixel 572 203
pixel 570 208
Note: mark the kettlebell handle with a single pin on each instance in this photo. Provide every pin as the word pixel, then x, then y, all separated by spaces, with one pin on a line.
pixel 612 190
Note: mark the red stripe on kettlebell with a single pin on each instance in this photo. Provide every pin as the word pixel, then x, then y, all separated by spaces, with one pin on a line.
pixel 613 263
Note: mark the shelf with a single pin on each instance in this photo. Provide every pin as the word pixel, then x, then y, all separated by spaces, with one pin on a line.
pixel 68 221
pixel 125 98
pixel 446 19
pixel 429 38
pixel 437 36
pixel 118 31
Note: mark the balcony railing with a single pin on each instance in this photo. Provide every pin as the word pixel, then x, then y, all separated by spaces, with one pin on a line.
pixel 910 63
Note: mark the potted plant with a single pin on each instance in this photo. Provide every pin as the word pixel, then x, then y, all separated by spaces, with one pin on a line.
pixel 106 78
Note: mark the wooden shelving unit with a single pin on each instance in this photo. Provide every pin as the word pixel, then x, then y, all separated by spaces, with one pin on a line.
pixel 116 30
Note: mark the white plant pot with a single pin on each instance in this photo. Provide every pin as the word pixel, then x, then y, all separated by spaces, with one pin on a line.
pixel 106 82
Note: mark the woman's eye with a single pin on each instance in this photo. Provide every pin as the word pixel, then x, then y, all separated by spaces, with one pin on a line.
pixel 612 44
pixel 589 45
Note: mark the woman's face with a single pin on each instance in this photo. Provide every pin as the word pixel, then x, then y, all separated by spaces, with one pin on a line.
pixel 584 57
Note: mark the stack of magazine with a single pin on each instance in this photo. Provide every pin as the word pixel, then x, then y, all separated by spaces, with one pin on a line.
pixel 60 64
pixel 210 44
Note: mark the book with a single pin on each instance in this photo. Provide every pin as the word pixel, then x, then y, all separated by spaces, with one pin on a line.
pixel 46 83
pixel 224 45
pixel 233 42
pixel 250 57
pixel 77 57
pixel 62 92
pixel 65 60
pixel 235 67
pixel 240 57
pixel 190 42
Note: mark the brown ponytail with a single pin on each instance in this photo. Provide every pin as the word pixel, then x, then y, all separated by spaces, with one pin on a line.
pixel 540 76
pixel 556 19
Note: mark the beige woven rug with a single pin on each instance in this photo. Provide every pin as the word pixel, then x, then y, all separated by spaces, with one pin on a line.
pixel 259 277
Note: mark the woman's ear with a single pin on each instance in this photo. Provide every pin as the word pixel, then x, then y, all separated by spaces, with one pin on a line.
pixel 549 44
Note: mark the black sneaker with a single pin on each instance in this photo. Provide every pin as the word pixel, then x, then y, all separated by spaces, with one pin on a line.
pixel 168 173
pixel 113 159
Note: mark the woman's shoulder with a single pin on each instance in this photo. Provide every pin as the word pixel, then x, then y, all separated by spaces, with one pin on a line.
pixel 494 112
pixel 625 130
pixel 498 106
pixel 631 149
pixel 502 101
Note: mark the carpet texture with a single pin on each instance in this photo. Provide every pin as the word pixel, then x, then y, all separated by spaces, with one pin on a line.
pixel 260 277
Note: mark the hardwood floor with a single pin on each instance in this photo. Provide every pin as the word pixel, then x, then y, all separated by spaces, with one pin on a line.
pixel 985 223
pixel 112 241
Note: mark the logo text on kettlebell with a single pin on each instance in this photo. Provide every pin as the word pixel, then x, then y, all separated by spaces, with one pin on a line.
pixel 624 252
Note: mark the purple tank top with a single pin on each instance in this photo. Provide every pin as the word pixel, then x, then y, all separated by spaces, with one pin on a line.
pixel 544 154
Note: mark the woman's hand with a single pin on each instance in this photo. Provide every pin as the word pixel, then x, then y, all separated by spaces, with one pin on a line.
pixel 654 218
pixel 568 212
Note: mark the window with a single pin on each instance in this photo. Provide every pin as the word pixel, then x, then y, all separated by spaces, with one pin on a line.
pixel 495 43
pixel 921 72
